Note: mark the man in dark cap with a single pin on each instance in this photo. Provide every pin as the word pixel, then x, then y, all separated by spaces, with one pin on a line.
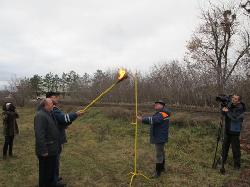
pixel 63 121
pixel 159 123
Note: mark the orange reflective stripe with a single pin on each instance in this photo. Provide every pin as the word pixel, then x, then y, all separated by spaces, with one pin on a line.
pixel 164 114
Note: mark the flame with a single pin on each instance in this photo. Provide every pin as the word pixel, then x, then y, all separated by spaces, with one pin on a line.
pixel 122 74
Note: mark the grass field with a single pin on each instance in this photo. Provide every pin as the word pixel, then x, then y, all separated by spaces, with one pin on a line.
pixel 99 152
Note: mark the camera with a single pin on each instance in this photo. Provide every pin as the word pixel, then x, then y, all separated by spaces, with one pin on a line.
pixel 225 100
pixel 12 108
pixel 9 107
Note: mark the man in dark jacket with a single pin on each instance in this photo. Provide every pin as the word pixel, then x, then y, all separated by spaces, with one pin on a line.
pixel 47 143
pixel 158 133
pixel 63 121
pixel 234 115
pixel 10 128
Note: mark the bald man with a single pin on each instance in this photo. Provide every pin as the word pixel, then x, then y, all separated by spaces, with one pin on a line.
pixel 47 143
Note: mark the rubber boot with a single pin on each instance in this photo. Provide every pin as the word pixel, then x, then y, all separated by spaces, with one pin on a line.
pixel 5 153
pixel 158 168
pixel 10 152
pixel 163 166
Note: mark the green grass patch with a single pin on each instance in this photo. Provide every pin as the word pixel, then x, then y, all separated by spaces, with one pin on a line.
pixel 100 152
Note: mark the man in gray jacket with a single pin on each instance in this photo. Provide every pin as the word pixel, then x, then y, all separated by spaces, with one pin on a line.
pixel 47 143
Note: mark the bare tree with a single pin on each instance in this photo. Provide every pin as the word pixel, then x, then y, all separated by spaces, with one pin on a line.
pixel 221 43
pixel 246 6
pixel 20 90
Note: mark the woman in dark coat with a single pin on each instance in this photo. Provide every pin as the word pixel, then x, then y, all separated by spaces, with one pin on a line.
pixel 10 128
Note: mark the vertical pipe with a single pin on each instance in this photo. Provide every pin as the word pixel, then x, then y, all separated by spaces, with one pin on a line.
pixel 136 122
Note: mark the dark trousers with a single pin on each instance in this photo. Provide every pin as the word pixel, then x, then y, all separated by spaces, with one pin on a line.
pixel 234 141
pixel 8 145
pixel 46 170
pixel 56 175
pixel 160 152
pixel 57 169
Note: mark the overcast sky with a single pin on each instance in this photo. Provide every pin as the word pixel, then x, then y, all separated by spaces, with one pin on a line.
pixel 37 37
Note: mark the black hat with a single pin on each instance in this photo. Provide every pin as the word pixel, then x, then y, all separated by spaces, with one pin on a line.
pixel 160 102
pixel 50 94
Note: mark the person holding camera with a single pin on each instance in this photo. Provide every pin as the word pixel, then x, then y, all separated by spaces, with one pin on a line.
pixel 10 127
pixel 234 115
pixel 159 125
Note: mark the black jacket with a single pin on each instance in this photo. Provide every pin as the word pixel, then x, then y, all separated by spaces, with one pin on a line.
pixel 10 127
pixel 234 118
pixel 46 133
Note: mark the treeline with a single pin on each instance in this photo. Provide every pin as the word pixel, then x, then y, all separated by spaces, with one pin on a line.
pixel 173 81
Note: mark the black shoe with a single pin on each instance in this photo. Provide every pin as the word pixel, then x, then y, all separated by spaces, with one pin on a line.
pixel 60 185
pixel 163 166
pixel 222 171
pixel 158 169
pixel 236 167
pixel 156 175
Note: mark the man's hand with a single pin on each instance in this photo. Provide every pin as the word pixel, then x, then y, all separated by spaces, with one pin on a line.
pixel 139 118
pixel 80 113
pixel 225 109
pixel 45 154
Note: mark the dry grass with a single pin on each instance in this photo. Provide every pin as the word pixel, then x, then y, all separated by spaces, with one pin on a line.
pixel 100 153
